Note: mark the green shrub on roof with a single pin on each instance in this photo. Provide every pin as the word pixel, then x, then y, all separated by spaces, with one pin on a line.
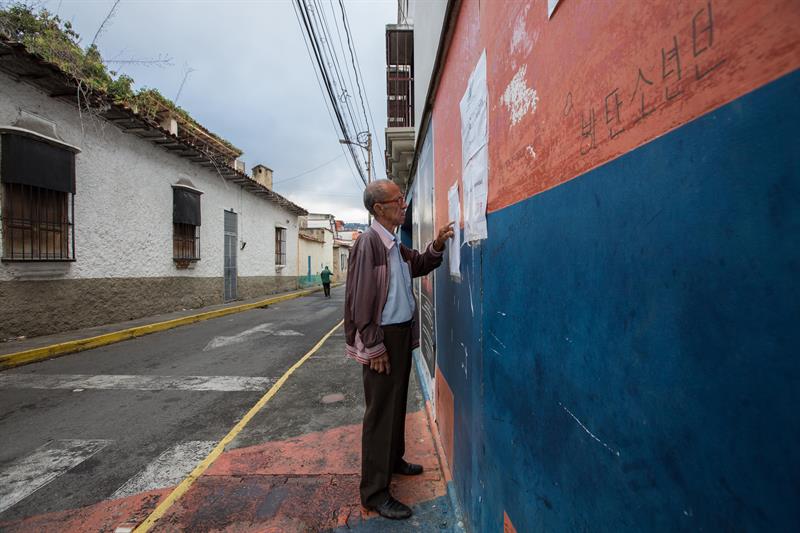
pixel 54 40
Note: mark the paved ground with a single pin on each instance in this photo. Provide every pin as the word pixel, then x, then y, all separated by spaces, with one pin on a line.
pixel 94 440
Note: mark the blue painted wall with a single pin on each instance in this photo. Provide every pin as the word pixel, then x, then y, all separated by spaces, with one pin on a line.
pixel 629 361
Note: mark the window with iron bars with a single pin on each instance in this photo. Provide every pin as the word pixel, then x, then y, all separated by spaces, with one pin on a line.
pixel 37 224
pixel 185 242
pixel 280 246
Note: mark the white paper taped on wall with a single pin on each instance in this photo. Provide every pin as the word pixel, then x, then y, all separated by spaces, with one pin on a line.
pixel 454 215
pixel 551 6
pixel 474 153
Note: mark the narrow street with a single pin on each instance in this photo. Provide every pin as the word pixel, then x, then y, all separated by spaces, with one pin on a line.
pixel 100 437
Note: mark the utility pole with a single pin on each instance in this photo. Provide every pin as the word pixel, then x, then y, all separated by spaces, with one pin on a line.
pixel 369 156
pixel 368 148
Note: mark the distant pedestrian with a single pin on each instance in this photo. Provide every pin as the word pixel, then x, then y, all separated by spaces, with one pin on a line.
pixel 381 330
pixel 325 275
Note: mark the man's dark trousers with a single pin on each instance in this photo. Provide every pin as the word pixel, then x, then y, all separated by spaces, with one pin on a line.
pixel 383 434
pixel 327 288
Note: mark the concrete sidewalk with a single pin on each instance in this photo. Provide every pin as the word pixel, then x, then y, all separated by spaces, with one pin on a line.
pixel 293 466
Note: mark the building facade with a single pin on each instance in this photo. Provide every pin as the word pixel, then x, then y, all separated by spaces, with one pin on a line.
pixel 614 346
pixel 108 217
pixel 312 256
pixel 341 255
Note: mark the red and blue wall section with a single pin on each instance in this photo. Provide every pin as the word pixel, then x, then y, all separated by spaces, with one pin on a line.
pixel 621 353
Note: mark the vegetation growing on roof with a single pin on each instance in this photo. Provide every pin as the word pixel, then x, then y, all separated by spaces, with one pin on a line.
pixel 54 40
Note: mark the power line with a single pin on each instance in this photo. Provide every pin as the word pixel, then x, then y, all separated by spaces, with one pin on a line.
pixel 319 83
pixel 309 170
pixel 318 57
pixel 337 66
pixel 359 127
pixel 357 70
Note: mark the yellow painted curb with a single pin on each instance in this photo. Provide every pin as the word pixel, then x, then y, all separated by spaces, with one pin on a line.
pixel 56 350
pixel 198 471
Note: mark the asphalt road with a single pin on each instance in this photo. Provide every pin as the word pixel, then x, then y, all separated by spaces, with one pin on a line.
pixel 138 414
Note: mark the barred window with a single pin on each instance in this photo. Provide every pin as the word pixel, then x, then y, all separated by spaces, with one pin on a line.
pixel 280 246
pixel 37 224
pixel 185 223
pixel 38 188
pixel 185 242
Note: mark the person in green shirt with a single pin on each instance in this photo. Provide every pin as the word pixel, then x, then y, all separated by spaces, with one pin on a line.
pixel 325 275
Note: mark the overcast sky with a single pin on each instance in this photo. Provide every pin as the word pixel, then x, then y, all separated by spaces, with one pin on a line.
pixel 253 82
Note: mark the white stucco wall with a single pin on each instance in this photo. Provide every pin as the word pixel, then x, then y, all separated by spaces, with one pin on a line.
pixel 123 204
pixel 428 19
pixel 340 254
pixel 317 252
pixel 327 258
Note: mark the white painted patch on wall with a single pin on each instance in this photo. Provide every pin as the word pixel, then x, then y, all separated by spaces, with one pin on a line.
pixel 531 152
pixel 466 361
pixel 134 382
pixel 168 469
pixel 606 446
pixel 519 37
pixel 518 98
pixel 28 474
pixel 498 340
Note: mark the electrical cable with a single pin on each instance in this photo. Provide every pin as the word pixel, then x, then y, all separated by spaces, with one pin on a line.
pixel 325 101
pixel 357 70
pixel 317 56
pixel 309 170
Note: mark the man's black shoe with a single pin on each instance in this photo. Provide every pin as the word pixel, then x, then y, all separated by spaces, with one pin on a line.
pixel 407 469
pixel 393 509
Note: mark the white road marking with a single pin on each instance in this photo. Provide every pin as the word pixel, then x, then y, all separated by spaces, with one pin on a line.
pixel 32 472
pixel 134 382
pixel 168 469
pixel 265 329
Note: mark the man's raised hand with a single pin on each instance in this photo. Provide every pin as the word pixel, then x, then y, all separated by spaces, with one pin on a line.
pixel 445 232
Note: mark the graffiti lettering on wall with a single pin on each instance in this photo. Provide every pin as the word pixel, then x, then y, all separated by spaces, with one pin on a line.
pixel 656 85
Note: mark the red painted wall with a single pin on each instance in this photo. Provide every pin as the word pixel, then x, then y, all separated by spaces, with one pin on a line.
pixel 608 77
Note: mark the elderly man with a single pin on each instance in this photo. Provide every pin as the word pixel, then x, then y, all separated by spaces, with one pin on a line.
pixel 381 330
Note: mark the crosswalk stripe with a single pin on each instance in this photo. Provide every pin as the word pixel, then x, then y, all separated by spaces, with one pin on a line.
pixel 32 472
pixel 134 382
pixel 168 469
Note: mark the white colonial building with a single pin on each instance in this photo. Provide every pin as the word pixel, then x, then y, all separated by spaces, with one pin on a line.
pixel 108 215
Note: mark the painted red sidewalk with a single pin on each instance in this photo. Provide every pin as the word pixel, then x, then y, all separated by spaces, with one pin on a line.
pixel 307 483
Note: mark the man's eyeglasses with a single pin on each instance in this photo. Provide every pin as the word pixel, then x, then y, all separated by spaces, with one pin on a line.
pixel 398 201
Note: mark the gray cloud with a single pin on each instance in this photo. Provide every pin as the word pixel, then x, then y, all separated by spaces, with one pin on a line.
pixel 253 82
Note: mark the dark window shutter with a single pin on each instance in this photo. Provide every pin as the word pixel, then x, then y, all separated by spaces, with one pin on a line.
pixel 28 161
pixel 185 206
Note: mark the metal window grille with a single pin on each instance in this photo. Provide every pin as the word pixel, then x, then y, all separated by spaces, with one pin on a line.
pixel 400 77
pixel 185 242
pixel 280 246
pixel 37 224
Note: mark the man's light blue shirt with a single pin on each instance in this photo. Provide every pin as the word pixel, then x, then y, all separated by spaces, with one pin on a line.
pixel 400 304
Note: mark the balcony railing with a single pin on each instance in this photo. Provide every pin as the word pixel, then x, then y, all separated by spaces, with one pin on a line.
pixel 400 77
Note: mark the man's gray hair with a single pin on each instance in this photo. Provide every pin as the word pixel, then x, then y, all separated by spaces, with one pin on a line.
pixel 374 193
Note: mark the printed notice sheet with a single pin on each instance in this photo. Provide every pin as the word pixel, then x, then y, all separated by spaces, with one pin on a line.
pixel 551 6
pixel 474 153
pixel 454 215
